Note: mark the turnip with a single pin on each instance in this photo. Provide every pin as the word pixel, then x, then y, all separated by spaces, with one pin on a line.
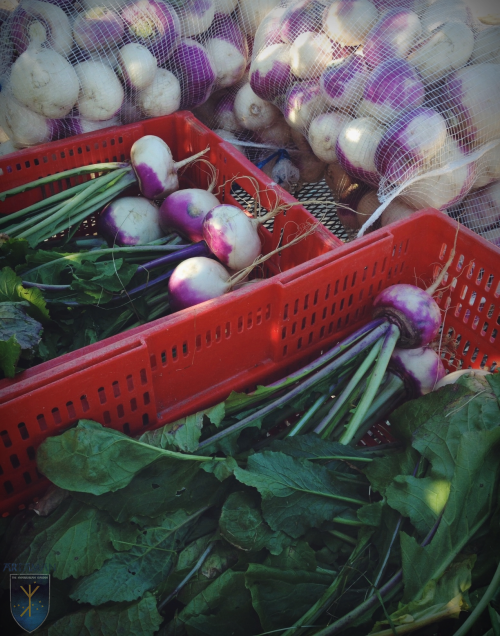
pixel 393 88
pixel 447 49
pixel 310 167
pixel 101 94
pixel 310 54
pixel 323 134
pixel 392 37
pixel 228 48
pixel 154 24
pixel 397 210
pixel 233 236
pixel 7 148
pixel 269 31
pixel 195 16
pixel 252 112
pixel 251 14
pixel 411 141
pixel 342 185
pixel 488 168
pixel 453 181
pixel 23 126
pixel 196 280
pixel 270 71
pixel 473 93
pixel 409 363
pixel 301 103
pixel 300 17
pixel 40 23
pixel 348 22
pixel 98 28
pixel 154 167
pixel 44 81
pixel 130 221
pixel 193 66
pixel 452 377
pixel 343 81
pixel 223 114
pixel 481 209
pixel 356 146
pixel 162 96
pixel 184 211
pixel 444 11
pixel 136 66
pixel 110 4
pixel 487 46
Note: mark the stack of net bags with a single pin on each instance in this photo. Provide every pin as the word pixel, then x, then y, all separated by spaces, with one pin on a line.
pixel 396 103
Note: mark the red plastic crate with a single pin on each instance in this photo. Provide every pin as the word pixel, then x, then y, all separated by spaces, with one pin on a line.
pixel 160 372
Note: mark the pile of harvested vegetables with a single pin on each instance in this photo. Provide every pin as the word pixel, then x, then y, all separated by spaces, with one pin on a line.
pixel 261 515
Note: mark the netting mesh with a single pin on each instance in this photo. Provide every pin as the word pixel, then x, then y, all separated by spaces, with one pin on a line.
pixel 396 101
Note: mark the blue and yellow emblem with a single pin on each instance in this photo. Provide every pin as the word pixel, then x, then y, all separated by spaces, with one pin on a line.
pixel 29 599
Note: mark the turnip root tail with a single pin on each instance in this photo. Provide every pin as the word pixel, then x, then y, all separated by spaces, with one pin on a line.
pixel 433 288
pixel 180 164
pixel 241 275
pixel 212 174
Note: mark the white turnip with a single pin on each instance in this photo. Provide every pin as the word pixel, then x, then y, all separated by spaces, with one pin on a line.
pixel 101 93
pixel 270 71
pixel 356 146
pixel 136 66
pixel 40 23
pixel 252 112
pixel 348 22
pixel 162 96
pixel 323 134
pixel 130 221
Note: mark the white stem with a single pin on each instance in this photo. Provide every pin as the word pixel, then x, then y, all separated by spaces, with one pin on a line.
pixel 180 164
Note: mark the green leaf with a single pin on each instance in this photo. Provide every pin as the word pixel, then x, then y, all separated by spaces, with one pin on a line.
pixel 371 514
pixel 128 575
pixel 468 507
pixel 422 500
pixel 13 252
pixel 297 556
pixel 10 352
pixel 494 381
pixel 73 541
pixel 224 607
pixel 242 525
pixel 94 459
pixel 126 619
pixel 382 471
pixel 296 494
pixel 281 597
pixel 12 290
pixel 15 322
pixel 182 434
pixel 165 486
pixel 221 470
pixel 311 446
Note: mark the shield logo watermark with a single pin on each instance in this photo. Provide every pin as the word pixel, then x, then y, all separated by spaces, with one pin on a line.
pixel 29 599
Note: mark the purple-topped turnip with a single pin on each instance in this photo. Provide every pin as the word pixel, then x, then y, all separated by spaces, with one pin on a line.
pixel 101 93
pixel 447 49
pixel 98 28
pixel 23 126
pixel 488 168
pixel 193 66
pixel 184 211
pixel 323 134
pixel 486 46
pixel 270 72
pixel 45 82
pixel 269 31
pixel 310 54
pixel 162 96
pixel 356 146
pixel 393 88
pixel 228 48
pixel 343 81
pixel 40 23
pixel 129 221
pixel 409 143
pixel 301 103
pixel 252 112
pixel 223 116
pixel 450 185
pixel 392 37
pixel 136 66
pixel 154 24
pixel 195 16
pixel 301 17
pixel 443 11
pixel 473 94
pixel 196 280
pixel 348 22
pixel 251 14
pixel 154 167
pixel 279 134
pixel 420 369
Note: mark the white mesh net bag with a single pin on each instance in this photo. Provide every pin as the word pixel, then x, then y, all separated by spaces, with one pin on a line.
pixel 403 95
pixel 69 67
